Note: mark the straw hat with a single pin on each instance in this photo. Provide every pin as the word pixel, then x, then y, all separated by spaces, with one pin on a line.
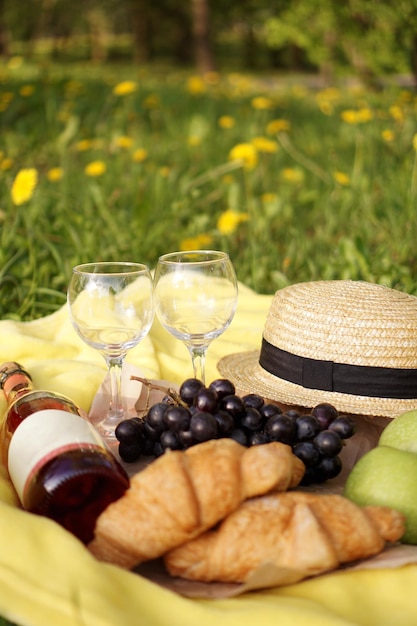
pixel 350 343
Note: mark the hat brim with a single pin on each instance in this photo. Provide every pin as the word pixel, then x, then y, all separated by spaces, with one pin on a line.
pixel 248 376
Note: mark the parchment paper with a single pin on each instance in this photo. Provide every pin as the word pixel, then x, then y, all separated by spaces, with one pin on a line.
pixel 368 430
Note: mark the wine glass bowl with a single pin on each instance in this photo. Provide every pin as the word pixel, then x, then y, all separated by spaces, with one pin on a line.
pixel 111 308
pixel 195 299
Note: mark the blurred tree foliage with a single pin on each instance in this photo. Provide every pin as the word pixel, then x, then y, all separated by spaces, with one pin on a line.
pixel 367 37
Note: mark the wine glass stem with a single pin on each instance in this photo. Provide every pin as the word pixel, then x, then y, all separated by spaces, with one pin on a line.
pixel 198 357
pixel 114 365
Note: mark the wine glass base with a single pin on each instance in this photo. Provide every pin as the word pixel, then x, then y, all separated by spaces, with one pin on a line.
pixel 107 427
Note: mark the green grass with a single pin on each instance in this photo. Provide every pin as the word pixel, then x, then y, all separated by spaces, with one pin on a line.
pixel 336 199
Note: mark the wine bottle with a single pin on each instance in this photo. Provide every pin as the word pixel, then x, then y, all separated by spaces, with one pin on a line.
pixel 58 463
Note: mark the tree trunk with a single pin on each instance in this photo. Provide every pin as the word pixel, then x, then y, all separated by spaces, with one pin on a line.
pixel 4 39
pixel 141 29
pixel 203 52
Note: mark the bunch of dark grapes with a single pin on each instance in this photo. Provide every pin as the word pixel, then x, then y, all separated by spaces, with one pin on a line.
pixel 199 413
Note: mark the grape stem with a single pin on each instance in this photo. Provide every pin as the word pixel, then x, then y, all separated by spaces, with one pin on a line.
pixel 151 385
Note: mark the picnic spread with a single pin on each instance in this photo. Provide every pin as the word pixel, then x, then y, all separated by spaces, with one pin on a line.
pixel 47 576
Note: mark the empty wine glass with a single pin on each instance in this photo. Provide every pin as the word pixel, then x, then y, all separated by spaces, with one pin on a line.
pixel 195 299
pixel 111 308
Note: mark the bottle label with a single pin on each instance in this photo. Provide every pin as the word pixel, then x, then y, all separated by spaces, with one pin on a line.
pixel 41 437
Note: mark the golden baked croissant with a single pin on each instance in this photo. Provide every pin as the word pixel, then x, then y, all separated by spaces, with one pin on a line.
pixel 183 493
pixel 311 533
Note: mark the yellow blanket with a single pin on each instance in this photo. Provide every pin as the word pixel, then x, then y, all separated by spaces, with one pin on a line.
pixel 48 578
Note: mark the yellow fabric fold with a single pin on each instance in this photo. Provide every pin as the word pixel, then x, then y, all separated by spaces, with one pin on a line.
pixel 48 577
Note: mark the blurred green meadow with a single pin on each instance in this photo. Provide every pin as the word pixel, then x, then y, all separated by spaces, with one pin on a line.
pixel 296 181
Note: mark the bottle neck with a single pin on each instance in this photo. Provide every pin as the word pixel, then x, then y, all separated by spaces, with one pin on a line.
pixel 16 384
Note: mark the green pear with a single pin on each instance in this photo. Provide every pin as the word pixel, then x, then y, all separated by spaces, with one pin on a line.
pixel 401 432
pixel 387 476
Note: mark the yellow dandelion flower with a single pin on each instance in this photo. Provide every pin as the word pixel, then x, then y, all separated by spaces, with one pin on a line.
pixel 365 114
pixel 229 220
pixel 124 142
pixel 95 168
pixel 6 164
pixel 83 145
pixel 15 62
pixel 330 93
pixel 196 243
pixel 269 197
pixel 7 97
pixel 414 142
pixel 276 126
pixel 262 103
pixel 326 98
pixel 194 140
pixel 196 85
pixel 26 90
pixel 204 240
pixel 24 185
pixel 341 178
pixel 396 113
pixel 263 144
pixel 125 88
pixel 350 116
pixel 140 155
pixel 73 87
pixel 164 171
pixel 388 135
pixel 55 174
pixel 245 152
pixel 326 107
pixel 293 175
pixel 152 101
pixel 299 91
pixel 226 121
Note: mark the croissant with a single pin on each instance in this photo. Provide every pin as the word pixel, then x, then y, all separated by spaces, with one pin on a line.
pixel 183 493
pixel 311 533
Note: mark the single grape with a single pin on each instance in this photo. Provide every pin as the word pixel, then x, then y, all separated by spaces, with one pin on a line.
pixel 327 468
pixel 189 389
pixel 233 404
pixel 268 410
pixel 225 422
pixel 177 418
pixel 203 426
pixel 251 419
pixel 239 435
pixel 158 450
pixel 155 416
pixel 281 428
pixel 325 414
pixel 222 387
pixel 308 427
pixel 206 400
pixel 128 430
pixel 169 439
pixel 185 437
pixel 256 438
pixel 307 453
pixel 292 413
pixel 344 426
pixel 130 451
pixel 253 400
pixel 148 446
pixel 328 443
pixel 149 433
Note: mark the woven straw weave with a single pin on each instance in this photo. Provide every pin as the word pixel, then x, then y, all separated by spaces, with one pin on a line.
pixel 350 322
